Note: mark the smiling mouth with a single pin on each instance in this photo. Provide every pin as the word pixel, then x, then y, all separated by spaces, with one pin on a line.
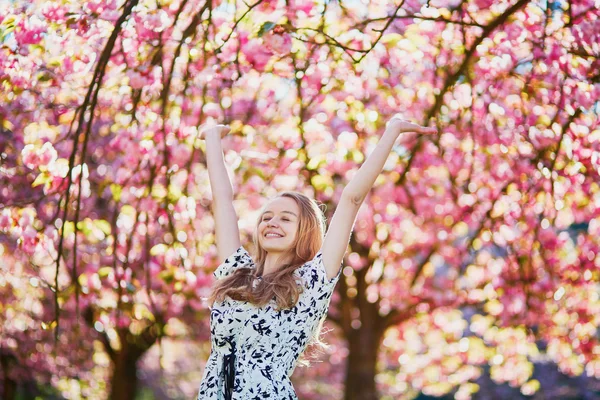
pixel 273 235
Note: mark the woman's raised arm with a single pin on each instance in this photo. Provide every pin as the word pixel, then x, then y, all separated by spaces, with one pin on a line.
pixel 226 220
pixel 340 228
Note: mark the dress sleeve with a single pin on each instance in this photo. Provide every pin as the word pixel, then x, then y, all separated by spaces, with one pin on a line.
pixel 318 288
pixel 239 259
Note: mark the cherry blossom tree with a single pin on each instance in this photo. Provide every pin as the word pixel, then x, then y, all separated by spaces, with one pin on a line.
pixel 476 248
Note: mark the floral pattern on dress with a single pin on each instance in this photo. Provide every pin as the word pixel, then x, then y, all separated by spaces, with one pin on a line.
pixel 263 344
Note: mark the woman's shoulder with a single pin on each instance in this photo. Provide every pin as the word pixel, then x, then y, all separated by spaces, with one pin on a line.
pixel 310 264
pixel 241 255
pixel 314 275
pixel 239 259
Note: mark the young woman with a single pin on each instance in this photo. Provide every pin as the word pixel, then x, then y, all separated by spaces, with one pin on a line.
pixel 266 309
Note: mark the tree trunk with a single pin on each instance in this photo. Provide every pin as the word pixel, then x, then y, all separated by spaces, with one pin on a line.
pixel 9 389
pixel 364 340
pixel 363 346
pixel 9 386
pixel 124 380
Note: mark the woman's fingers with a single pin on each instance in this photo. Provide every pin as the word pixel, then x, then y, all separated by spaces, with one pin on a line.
pixel 427 130
pixel 220 130
pixel 224 130
pixel 405 126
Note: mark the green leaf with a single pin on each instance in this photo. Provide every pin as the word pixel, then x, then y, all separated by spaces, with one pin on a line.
pixel 41 179
pixel 44 77
pixel 72 20
pixel 68 228
pixel 85 226
pixel 10 21
pixel 116 191
pixel 159 249
pixel 266 27
pixel 167 276
pixel 104 272
pixel 392 38
pixel 357 155
pixel 175 193
pixel 314 163
pixel 5 32
pixel 103 225
pixel 321 182
pixel 158 191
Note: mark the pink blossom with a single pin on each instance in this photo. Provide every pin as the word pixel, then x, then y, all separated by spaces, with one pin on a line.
pixel 240 107
pixel 58 172
pixel 29 240
pixel 257 54
pixel 212 110
pixel 54 12
pixel 29 31
pixel 136 79
pixel 268 6
pixel 305 6
pixel 123 321
pixel 30 156
pixel 157 22
pixel 47 154
pixel 6 220
pixel 26 219
pixel 196 305
pixel 39 158
pixel 100 6
pixel 180 153
pixel 483 4
pixel 279 43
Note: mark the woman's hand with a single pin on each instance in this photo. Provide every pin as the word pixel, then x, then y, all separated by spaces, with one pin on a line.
pixel 226 220
pixel 220 130
pixel 399 125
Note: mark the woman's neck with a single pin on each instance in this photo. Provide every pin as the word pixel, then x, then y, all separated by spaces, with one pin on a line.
pixel 273 262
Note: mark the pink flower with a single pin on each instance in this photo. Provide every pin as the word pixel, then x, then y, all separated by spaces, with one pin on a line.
pixel 26 219
pixel 212 110
pixel 58 172
pixel 240 107
pixel 39 158
pixel 123 322
pixel 136 80
pixel 6 220
pixel 29 240
pixel 196 305
pixel 257 54
pixel 29 156
pixel 47 154
pixel 306 6
pixel 54 12
pixel 157 22
pixel 484 4
pixel 268 6
pixel 180 153
pixel 279 43
pixel 29 31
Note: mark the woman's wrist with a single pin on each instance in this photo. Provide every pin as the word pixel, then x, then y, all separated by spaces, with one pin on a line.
pixel 391 132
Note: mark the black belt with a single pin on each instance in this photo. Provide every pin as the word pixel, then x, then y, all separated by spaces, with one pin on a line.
pixel 229 371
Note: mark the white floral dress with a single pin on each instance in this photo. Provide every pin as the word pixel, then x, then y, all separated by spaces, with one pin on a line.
pixel 255 349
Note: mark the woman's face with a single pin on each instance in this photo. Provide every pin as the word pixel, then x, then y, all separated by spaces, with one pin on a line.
pixel 278 225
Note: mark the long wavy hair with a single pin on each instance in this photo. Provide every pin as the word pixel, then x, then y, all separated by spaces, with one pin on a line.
pixel 280 285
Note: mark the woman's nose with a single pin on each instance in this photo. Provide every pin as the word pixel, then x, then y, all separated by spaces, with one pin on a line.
pixel 271 222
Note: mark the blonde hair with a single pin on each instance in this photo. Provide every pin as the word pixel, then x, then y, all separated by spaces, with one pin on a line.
pixel 280 285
